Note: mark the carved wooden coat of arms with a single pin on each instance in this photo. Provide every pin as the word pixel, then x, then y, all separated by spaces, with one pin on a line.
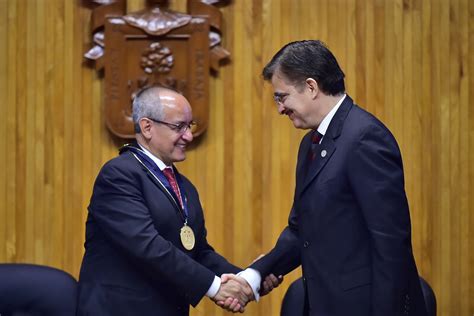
pixel 155 46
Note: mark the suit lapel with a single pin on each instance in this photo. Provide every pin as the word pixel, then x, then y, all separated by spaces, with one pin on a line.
pixel 324 151
pixel 303 162
pixel 323 154
pixel 156 181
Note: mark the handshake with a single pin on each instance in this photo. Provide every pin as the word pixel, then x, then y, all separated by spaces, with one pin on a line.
pixel 235 292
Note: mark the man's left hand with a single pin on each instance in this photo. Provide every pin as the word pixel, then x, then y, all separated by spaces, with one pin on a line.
pixel 271 282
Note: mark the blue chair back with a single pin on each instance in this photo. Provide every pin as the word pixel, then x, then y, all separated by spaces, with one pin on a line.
pixel 27 289
pixel 293 301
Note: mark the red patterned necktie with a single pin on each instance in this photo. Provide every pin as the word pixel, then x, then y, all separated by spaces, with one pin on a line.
pixel 315 140
pixel 169 174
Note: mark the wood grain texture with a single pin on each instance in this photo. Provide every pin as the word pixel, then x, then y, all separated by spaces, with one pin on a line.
pixel 409 62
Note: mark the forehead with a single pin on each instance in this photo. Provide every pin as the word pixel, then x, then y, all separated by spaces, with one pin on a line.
pixel 175 106
pixel 280 83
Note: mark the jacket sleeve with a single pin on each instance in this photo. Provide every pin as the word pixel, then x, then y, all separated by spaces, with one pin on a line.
pixel 285 256
pixel 119 208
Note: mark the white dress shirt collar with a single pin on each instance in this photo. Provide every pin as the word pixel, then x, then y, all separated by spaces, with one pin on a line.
pixel 323 127
pixel 155 159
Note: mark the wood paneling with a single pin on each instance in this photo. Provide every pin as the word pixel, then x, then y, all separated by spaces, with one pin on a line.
pixel 407 61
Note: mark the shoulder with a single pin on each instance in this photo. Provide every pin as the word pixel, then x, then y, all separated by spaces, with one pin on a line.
pixel 124 165
pixel 362 123
pixel 363 117
pixel 364 134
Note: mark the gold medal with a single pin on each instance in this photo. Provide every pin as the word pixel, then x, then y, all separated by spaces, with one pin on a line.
pixel 187 237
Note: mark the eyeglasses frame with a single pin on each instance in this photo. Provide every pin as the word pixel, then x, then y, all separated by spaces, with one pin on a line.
pixel 180 128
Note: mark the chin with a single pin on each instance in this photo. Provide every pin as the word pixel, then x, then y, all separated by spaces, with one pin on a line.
pixel 180 157
pixel 298 124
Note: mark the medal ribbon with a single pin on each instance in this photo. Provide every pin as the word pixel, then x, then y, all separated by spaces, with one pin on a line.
pixel 153 168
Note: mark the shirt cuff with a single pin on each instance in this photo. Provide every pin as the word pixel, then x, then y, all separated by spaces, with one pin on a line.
pixel 254 279
pixel 216 284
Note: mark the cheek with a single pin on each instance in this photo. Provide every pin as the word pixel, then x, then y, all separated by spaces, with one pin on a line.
pixel 307 109
pixel 175 146
pixel 299 109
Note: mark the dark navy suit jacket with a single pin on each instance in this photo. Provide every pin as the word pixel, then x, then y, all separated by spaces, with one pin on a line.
pixel 134 262
pixel 349 227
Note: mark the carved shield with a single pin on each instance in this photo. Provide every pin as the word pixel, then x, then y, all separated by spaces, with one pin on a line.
pixel 155 46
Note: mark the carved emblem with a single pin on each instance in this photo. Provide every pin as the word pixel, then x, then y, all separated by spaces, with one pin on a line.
pixel 155 46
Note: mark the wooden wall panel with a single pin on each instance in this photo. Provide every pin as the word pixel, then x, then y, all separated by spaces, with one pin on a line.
pixel 3 126
pixel 407 61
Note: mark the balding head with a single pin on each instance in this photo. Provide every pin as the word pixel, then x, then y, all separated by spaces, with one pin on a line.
pixel 163 122
pixel 151 102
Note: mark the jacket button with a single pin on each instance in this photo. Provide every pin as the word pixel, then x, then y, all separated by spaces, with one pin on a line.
pixel 306 244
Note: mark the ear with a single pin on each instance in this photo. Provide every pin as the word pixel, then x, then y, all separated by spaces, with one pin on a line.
pixel 145 127
pixel 312 86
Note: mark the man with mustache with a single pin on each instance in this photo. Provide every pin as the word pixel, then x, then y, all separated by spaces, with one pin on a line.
pixel 349 227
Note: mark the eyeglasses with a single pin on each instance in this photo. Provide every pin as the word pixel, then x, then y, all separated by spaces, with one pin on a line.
pixel 280 98
pixel 180 128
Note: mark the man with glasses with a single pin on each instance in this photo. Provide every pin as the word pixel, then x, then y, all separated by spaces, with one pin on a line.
pixel 349 227
pixel 146 249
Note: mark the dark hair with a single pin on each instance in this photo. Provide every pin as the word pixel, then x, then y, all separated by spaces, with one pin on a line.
pixel 301 60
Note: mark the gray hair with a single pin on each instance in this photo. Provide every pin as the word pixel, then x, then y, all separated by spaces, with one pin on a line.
pixel 147 103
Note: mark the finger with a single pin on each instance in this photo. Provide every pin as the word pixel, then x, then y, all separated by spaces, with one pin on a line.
pixel 225 304
pixel 242 299
pixel 235 306
pixel 273 278
pixel 237 309
pixel 268 286
pixel 232 305
pixel 279 280
pixel 228 302
pixel 265 285
pixel 226 277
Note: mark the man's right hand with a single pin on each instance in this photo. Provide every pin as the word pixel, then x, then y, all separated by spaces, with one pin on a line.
pixel 234 293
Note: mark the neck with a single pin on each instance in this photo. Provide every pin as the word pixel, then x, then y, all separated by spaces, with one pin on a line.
pixel 328 102
pixel 142 141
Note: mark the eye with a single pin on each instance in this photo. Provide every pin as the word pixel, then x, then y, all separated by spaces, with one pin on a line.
pixel 184 126
pixel 280 97
pixel 181 126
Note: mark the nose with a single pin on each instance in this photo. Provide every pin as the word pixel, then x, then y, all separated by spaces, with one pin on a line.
pixel 188 136
pixel 281 108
